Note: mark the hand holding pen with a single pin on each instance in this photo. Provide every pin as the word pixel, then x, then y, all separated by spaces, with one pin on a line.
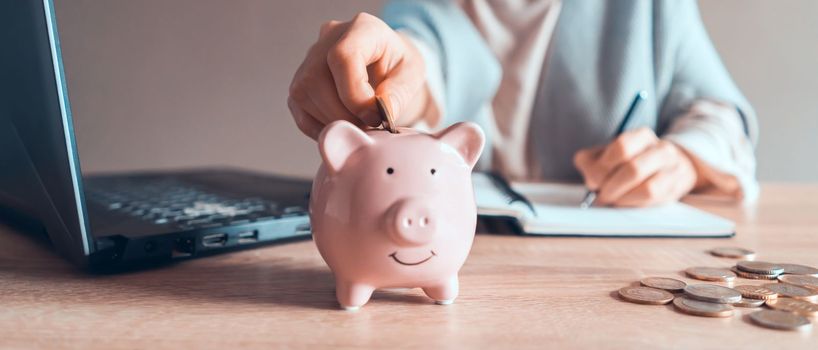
pixel 636 169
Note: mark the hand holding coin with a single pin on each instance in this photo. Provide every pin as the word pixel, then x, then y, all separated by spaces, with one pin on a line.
pixel 335 82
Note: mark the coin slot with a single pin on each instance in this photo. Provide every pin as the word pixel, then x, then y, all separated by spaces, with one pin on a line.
pixel 247 237
pixel 214 240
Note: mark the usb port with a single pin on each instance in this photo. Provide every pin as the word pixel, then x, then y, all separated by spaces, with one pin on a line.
pixel 303 229
pixel 214 240
pixel 246 237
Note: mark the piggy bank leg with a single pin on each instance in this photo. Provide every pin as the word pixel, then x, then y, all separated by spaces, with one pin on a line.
pixel 443 293
pixel 352 295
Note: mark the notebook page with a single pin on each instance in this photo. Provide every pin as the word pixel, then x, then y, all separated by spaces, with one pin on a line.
pixel 558 213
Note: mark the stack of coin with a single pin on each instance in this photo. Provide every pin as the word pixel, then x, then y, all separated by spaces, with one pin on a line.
pixel 702 308
pixel 645 295
pixel 710 300
pixel 790 294
pixel 758 270
pixel 756 292
pixel 654 291
pixel 754 296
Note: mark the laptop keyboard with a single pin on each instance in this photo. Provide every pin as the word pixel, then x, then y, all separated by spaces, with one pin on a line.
pixel 182 205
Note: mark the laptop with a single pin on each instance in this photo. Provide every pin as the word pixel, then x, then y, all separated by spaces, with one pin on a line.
pixel 116 220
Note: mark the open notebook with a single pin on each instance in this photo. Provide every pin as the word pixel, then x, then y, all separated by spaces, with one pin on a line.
pixel 553 209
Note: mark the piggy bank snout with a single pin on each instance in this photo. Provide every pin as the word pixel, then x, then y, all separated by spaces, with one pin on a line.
pixel 411 222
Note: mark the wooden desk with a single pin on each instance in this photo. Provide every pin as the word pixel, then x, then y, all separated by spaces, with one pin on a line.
pixel 516 292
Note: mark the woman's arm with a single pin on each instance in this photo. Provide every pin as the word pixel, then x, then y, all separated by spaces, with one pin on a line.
pixel 461 72
pixel 705 127
pixel 706 114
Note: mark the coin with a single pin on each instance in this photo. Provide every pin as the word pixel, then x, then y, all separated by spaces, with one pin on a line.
pixel 807 282
pixel 747 302
pixel 794 305
pixel 795 269
pixel 712 293
pixel 760 267
pixel 710 274
pixel 755 292
pixel 387 119
pixel 792 291
pixel 645 295
pixel 702 308
pixel 750 275
pixel 668 284
pixel 733 252
pixel 780 320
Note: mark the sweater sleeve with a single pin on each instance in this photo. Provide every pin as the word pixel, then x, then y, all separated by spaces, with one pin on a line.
pixel 711 132
pixel 704 111
pixel 461 72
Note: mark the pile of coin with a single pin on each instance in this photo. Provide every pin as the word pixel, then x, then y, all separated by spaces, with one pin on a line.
pixel 791 295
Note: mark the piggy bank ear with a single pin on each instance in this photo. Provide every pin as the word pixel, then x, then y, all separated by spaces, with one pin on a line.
pixel 467 138
pixel 338 141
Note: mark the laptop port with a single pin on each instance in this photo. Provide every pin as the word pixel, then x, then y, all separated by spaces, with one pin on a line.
pixel 214 240
pixel 183 247
pixel 303 229
pixel 246 237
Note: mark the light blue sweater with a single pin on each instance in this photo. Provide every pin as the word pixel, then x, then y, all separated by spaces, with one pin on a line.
pixel 601 53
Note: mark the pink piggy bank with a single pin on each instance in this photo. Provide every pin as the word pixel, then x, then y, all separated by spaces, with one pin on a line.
pixel 395 210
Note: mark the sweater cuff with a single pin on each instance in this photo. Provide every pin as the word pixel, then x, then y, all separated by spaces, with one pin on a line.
pixel 711 133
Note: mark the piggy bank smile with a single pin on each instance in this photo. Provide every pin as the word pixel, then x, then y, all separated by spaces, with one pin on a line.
pixel 394 256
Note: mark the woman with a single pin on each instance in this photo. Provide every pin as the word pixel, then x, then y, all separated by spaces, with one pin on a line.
pixel 549 81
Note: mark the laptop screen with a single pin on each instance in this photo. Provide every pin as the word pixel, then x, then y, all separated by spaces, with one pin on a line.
pixel 40 174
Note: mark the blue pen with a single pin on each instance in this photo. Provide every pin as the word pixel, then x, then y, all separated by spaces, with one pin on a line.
pixel 590 196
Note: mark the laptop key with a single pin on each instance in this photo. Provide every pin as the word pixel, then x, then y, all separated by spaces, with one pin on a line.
pixel 265 217
pixel 293 209
pixel 240 219
pixel 197 222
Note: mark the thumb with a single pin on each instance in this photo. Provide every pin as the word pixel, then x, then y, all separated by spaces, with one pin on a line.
pixel 586 161
pixel 400 87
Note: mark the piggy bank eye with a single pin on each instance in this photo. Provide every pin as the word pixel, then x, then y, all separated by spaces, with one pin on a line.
pixel 433 171
pixel 389 170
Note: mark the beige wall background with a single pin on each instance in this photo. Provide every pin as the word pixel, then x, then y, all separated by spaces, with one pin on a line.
pixel 158 84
